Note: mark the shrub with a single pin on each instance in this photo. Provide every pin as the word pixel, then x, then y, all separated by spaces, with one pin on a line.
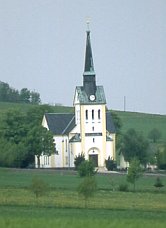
pixel 87 188
pixel 38 187
pixel 86 168
pixel 134 172
pixel 123 187
pixel 158 184
pixel 78 160
pixel 110 164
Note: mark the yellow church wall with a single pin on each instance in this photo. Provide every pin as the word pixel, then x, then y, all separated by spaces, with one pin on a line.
pixel 99 125
pixel 104 136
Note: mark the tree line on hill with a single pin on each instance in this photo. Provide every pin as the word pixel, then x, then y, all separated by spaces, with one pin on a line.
pixel 9 94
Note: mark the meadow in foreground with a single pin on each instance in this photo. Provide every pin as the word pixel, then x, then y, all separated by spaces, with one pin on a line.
pixel 61 206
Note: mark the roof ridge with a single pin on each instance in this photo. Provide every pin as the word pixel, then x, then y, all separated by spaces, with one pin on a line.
pixel 68 125
pixel 64 113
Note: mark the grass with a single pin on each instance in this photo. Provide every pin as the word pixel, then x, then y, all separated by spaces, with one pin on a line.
pixel 143 122
pixel 58 217
pixel 61 206
pixel 5 106
pixel 69 180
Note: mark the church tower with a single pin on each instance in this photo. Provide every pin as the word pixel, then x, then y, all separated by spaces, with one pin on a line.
pixel 89 77
pixel 90 115
pixel 90 130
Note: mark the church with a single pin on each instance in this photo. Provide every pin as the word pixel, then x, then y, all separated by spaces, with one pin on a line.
pixel 89 130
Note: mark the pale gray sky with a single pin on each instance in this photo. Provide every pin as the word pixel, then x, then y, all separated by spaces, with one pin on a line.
pixel 42 48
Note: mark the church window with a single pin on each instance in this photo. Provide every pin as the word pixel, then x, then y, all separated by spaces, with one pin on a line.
pixel 99 114
pixel 93 128
pixel 93 140
pixel 86 114
pixel 66 144
pixel 46 160
pixel 92 114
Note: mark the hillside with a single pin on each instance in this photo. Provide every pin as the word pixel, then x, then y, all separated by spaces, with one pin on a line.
pixel 139 121
pixel 143 122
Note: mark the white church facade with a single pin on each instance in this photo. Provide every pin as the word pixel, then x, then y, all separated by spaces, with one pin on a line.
pixel 89 130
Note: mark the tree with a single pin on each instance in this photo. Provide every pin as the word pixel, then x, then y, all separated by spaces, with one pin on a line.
pixel 40 141
pixel 22 136
pixel 25 95
pixel 158 183
pixel 14 96
pixel 86 169
pixel 161 158
pixel 38 187
pixel 13 135
pixel 9 94
pixel 87 188
pixel 78 160
pixel 4 91
pixel 35 98
pixel 154 134
pixel 133 145
pixel 35 114
pixel 14 128
pixel 134 172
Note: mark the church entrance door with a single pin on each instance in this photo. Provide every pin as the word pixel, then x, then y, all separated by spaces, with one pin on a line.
pixel 94 159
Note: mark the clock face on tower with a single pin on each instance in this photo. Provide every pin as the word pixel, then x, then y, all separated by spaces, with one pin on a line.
pixel 92 97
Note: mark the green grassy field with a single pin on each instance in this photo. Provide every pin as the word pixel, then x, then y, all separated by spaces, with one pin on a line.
pixel 61 206
pixel 143 122
pixel 5 106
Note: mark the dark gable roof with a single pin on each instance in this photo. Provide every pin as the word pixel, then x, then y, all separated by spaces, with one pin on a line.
pixel 60 123
pixel 109 123
pixel 63 123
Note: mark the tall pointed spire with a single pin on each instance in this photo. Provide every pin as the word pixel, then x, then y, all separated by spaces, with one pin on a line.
pixel 89 81
pixel 89 66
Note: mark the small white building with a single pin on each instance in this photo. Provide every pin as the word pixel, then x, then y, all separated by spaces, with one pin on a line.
pixel 90 130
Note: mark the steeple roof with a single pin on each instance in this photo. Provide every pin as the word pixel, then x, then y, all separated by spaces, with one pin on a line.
pixel 89 78
pixel 89 66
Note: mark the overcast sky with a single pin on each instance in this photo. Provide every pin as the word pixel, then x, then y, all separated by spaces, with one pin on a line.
pixel 42 48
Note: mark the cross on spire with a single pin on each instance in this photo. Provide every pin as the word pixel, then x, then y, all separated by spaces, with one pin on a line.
pixel 88 22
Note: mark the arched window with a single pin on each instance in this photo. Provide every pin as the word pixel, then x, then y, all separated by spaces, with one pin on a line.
pixel 66 144
pixel 92 114
pixel 86 114
pixel 99 114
